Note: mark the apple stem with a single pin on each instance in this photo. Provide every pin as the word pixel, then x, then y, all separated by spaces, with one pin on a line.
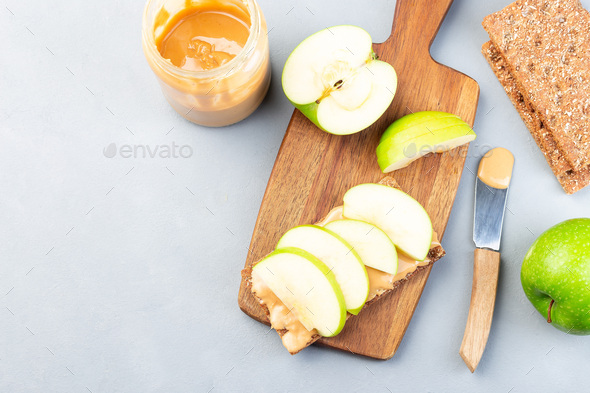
pixel 549 311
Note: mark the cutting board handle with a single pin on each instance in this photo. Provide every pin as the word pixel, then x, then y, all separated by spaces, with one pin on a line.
pixel 416 23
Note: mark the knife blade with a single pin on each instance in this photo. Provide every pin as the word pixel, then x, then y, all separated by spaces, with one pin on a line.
pixel 490 204
pixel 491 192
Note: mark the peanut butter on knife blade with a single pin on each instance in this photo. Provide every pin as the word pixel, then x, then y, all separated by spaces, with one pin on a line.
pixel 495 168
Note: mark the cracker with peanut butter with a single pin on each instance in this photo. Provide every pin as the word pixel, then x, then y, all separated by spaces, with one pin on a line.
pixel 294 335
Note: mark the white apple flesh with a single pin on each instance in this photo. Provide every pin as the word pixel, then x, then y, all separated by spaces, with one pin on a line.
pixel 306 286
pixel 399 215
pixel 372 244
pixel 338 255
pixel 334 79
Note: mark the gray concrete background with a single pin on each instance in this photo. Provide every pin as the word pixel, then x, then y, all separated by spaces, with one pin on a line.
pixel 121 274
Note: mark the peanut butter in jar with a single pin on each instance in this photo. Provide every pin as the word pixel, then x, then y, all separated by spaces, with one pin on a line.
pixel 210 56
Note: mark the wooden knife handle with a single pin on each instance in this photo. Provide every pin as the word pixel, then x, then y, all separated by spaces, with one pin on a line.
pixel 486 266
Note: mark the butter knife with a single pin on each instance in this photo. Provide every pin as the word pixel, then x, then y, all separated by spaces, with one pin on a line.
pixel 491 189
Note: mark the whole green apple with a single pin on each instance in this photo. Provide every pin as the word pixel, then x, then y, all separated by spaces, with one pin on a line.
pixel 555 275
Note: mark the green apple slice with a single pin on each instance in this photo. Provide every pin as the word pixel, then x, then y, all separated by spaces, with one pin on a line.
pixel 334 78
pixel 338 255
pixel 433 133
pixel 402 136
pixel 418 134
pixel 372 244
pixel 306 286
pixel 392 156
pixel 427 118
pixel 399 215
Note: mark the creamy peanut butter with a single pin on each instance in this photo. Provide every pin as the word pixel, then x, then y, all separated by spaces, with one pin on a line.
pixel 333 215
pixel 204 36
pixel 211 57
pixel 495 168
pixel 298 336
pixel 380 282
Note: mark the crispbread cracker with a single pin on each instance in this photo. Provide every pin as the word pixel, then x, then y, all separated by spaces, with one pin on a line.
pixel 546 46
pixel 570 180
pixel 434 254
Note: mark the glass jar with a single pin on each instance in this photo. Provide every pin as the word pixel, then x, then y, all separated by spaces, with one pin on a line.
pixel 222 95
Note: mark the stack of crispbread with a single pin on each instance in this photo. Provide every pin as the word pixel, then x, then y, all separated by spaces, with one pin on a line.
pixel 540 52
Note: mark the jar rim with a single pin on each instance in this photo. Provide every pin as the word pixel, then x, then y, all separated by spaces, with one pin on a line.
pixel 225 69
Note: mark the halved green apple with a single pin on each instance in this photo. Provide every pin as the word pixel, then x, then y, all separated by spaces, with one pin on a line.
pixel 399 215
pixel 334 78
pixel 338 255
pixel 372 244
pixel 306 286
pixel 417 134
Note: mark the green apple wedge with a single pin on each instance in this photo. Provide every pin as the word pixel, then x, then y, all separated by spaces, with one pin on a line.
pixel 334 78
pixel 392 156
pixel 418 119
pixel 402 135
pixel 305 285
pixel 372 244
pixel 399 215
pixel 415 135
pixel 555 275
pixel 338 255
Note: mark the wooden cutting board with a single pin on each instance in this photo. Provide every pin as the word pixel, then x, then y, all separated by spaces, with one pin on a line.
pixel 314 169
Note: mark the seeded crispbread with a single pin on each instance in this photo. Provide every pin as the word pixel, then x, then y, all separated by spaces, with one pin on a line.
pixel 546 47
pixel 434 254
pixel 570 180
